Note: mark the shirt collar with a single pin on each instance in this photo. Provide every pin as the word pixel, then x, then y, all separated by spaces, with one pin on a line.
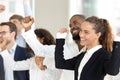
pixel 83 49
pixel 12 51
pixel 92 50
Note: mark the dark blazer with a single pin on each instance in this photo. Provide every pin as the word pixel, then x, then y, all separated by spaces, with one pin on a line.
pixel 2 74
pixel 100 63
pixel 20 54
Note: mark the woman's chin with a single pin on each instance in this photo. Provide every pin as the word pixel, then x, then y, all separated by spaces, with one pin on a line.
pixel 82 44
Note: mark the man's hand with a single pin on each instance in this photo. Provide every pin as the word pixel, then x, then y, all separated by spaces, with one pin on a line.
pixel 39 62
pixel 2 8
pixel 118 34
pixel 27 22
pixel 63 30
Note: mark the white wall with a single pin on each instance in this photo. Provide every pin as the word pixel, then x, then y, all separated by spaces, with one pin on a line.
pixel 51 14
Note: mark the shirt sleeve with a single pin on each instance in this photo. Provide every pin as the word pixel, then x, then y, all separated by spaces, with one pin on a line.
pixel 61 35
pixel 27 8
pixel 38 48
pixel 15 65
pixel 117 38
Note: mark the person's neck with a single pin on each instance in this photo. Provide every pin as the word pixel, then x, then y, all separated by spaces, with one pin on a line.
pixel 19 31
pixel 10 45
pixel 91 46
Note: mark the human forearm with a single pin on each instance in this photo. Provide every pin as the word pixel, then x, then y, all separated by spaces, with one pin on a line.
pixel 38 48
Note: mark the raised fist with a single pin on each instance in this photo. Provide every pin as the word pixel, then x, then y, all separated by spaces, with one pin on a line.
pixel 27 19
pixel 2 8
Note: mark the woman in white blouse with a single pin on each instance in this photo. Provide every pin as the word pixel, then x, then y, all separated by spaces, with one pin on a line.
pixel 33 64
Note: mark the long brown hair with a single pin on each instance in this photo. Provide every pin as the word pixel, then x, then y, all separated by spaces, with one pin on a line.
pixel 103 26
pixel 43 33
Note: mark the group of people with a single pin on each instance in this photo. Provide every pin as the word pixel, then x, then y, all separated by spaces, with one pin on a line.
pixel 92 53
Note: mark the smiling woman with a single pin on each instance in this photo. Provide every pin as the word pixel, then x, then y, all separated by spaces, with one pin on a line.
pixel 96 36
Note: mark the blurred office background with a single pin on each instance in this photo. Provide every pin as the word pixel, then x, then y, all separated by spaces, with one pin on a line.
pixel 54 14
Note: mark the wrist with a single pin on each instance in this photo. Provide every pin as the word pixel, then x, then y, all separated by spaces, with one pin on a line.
pixel 61 35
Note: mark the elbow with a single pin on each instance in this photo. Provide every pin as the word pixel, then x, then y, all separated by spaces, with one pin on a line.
pixel 57 66
pixel 114 73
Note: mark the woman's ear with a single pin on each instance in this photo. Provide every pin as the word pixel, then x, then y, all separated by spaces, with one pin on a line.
pixel 98 34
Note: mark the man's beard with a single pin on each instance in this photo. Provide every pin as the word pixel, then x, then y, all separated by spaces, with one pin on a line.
pixel 75 33
pixel 76 37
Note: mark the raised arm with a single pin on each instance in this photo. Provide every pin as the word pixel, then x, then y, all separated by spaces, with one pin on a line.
pixel 38 48
pixel 30 37
pixel 27 8
pixel 60 61
pixel 2 8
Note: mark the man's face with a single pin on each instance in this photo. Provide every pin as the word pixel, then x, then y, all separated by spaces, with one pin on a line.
pixel 75 24
pixel 5 34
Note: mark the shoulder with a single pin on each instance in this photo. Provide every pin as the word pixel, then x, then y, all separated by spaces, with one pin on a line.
pixel 104 53
pixel 116 43
pixel 19 47
pixel 20 50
